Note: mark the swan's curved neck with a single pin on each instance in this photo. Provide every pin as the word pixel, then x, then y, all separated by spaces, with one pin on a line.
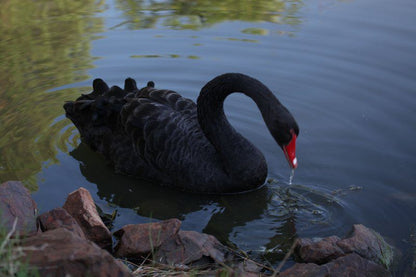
pixel 239 156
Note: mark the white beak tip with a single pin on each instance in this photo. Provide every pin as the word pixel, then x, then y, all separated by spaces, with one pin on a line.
pixel 295 162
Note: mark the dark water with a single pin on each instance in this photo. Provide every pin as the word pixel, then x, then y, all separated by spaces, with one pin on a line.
pixel 346 70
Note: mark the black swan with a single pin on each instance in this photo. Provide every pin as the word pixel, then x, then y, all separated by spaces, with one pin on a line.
pixel 162 136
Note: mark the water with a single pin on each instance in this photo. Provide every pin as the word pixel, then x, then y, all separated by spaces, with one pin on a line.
pixel 345 69
pixel 292 175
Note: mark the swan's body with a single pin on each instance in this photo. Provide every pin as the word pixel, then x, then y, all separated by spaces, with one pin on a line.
pixel 159 135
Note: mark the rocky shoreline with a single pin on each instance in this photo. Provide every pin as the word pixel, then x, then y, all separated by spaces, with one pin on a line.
pixel 73 241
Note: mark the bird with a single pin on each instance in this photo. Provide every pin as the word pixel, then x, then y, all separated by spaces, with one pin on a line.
pixel 159 135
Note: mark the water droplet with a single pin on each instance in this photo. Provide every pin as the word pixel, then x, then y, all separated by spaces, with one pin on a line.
pixel 292 174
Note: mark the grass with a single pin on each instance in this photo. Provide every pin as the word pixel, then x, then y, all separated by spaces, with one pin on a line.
pixel 152 268
pixel 11 255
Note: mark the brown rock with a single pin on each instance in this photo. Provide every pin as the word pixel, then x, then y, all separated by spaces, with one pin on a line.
pixel 247 268
pixel 138 240
pixel 245 274
pixel 362 240
pixel 351 265
pixel 304 270
pixel 80 205
pixel 368 244
pixel 354 265
pixel 188 247
pixel 16 202
pixel 59 218
pixel 60 252
pixel 230 272
pixel 318 252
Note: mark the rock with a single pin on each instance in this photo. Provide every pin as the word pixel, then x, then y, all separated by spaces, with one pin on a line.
pixel 319 252
pixel 363 253
pixel 59 218
pixel 368 244
pixel 189 247
pixel 247 268
pixel 16 202
pixel 355 265
pixel 231 272
pixel 223 271
pixel 346 266
pixel 362 240
pixel 138 240
pixel 60 252
pixel 80 206
pixel 304 270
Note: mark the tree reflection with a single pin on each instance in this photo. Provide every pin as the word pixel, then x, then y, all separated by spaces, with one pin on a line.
pixel 43 45
pixel 195 14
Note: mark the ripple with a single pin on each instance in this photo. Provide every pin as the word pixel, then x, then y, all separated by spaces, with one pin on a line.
pixel 172 56
pixel 346 72
pixel 311 208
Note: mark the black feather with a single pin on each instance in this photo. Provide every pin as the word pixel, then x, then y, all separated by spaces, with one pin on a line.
pixel 160 135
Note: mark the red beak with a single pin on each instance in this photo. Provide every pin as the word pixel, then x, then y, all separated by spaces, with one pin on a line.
pixel 290 151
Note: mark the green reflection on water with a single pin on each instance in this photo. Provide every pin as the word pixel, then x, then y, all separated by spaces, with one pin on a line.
pixel 43 45
pixel 239 39
pixel 196 14
pixel 46 44
pixel 255 31
pixel 145 56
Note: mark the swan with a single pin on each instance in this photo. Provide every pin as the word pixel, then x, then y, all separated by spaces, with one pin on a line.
pixel 159 135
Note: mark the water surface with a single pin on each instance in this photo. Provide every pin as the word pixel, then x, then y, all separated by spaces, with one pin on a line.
pixel 345 69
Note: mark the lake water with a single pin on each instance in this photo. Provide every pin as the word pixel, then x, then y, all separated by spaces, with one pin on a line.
pixel 345 69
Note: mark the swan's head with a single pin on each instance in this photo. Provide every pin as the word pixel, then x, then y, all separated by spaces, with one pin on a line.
pixel 285 131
